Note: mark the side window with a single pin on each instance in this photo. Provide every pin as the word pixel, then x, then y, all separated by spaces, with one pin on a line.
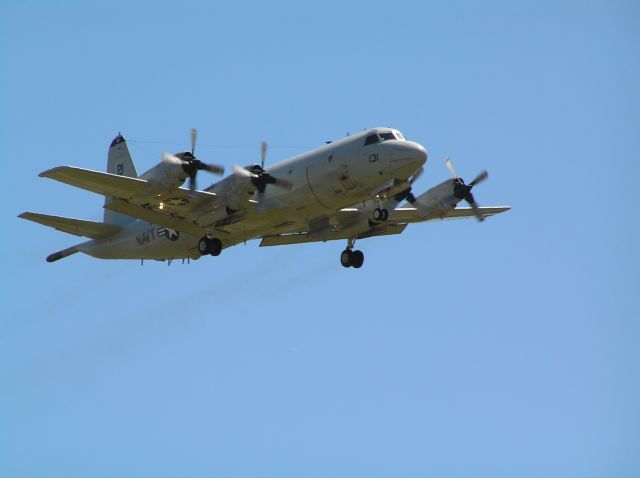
pixel 371 139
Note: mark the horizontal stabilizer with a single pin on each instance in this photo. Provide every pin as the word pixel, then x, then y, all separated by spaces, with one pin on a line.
pixel 77 227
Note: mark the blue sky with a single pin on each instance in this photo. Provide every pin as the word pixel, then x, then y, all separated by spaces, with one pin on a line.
pixel 459 349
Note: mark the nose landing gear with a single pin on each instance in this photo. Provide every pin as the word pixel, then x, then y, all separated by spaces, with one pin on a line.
pixel 351 258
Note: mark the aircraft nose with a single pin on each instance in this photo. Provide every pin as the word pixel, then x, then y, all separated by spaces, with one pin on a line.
pixel 419 153
pixel 406 157
pixel 415 152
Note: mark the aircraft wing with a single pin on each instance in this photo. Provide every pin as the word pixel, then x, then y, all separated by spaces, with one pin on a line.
pixel 398 221
pixel 155 216
pixel 407 215
pixel 303 237
pixel 176 202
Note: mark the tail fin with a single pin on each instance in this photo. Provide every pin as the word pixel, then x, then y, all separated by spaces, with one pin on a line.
pixel 119 162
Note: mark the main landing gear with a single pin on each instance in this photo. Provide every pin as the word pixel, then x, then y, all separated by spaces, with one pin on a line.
pixel 380 214
pixel 209 245
pixel 351 258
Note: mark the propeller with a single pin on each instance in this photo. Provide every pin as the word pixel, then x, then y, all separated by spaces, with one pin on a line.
pixel 259 177
pixel 463 191
pixel 407 194
pixel 190 164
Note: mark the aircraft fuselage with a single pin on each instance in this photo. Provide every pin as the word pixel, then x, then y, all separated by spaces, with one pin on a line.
pixel 335 176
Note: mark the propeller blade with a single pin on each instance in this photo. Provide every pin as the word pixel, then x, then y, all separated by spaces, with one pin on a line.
pixel 263 153
pixel 194 136
pixel 474 205
pixel 450 167
pixel 261 204
pixel 212 168
pixel 476 211
pixel 282 183
pixel 479 178
pixel 192 181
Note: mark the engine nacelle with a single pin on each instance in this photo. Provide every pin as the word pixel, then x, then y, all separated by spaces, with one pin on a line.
pixel 165 175
pixel 438 200
pixel 233 191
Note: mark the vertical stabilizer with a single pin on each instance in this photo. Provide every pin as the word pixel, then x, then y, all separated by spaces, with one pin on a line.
pixel 119 162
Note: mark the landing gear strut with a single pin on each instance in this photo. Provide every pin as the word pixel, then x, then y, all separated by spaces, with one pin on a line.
pixel 351 258
pixel 208 245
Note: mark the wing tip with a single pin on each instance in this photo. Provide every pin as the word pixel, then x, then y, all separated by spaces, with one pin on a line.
pixel 50 172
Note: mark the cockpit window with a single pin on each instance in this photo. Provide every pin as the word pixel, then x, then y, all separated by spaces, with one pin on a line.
pixel 399 135
pixel 371 139
pixel 387 136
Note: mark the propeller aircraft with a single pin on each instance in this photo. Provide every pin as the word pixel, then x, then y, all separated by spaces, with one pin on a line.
pixel 358 187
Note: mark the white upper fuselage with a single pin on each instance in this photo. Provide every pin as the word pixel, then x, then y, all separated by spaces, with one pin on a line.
pixel 337 175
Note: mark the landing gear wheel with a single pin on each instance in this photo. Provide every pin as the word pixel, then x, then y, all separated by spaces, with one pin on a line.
pixel 380 215
pixel 345 258
pixel 206 245
pixel 215 247
pixel 203 246
pixel 357 259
